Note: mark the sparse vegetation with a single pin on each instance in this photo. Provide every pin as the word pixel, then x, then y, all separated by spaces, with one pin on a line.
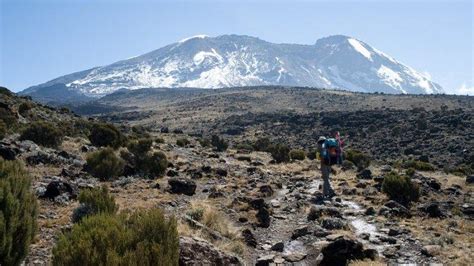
pixel 297 155
pixel 103 135
pixel 104 164
pixel 145 237
pixel 219 143
pixel 3 129
pixel 360 159
pixel 400 188
pixel 280 153
pixel 94 201
pixel 418 165
pixel 148 164
pixel 18 211
pixel 24 108
pixel 262 144
pixel 43 133
pixel 182 142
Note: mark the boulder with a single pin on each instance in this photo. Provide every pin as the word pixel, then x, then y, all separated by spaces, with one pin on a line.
pixel 333 223
pixel 278 246
pixel 249 238
pixel 8 152
pixel 57 187
pixel 393 208
pixel 197 251
pixel 300 231
pixel 182 186
pixel 365 174
pixel 344 249
pixel 433 210
pixel 431 250
pixel 265 260
pixel 263 217
pixel 470 179
pixel 266 190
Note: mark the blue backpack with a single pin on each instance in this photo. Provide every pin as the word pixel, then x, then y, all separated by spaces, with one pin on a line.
pixel 331 152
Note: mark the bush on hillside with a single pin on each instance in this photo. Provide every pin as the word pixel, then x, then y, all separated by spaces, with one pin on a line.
pixel 297 154
pixel 8 117
pixel 360 159
pixel 154 165
pixel 418 165
pixel 312 154
pixel 18 212
pixel 182 142
pixel 219 143
pixel 280 153
pixel 205 142
pixel 400 188
pixel 43 133
pixel 145 237
pixel 140 147
pixel 3 129
pixel 24 107
pixel 104 164
pixel 262 144
pixel 103 135
pixel 94 201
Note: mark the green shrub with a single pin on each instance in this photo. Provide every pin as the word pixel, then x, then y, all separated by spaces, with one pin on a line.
pixel 410 172
pixel 262 144
pixel 102 135
pixel 297 154
pixel 143 238
pixel 104 164
pixel 182 142
pixel 94 201
pixel 3 129
pixel 8 117
pixel 418 165
pixel 219 143
pixel 360 159
pixel 244 147
pixel 140 147
pixel 24 107
pixel 400 188
pixel 312 154
pixel 18 212
pixel 154 165
pixel 43 133
pixel 205 142
pixel 280 153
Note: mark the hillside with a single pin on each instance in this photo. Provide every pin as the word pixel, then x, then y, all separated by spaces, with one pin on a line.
pixel 234 202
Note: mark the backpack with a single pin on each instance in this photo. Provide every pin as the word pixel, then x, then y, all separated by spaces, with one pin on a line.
pixel 331 152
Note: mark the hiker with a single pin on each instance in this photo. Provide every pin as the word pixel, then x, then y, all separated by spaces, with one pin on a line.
pixel 330 153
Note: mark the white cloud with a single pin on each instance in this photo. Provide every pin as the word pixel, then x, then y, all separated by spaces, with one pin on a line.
pixel 465 90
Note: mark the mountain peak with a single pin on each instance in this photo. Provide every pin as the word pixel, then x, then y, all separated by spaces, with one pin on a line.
pixel 338 61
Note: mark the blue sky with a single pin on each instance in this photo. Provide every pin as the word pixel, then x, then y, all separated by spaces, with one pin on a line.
pixel 44 39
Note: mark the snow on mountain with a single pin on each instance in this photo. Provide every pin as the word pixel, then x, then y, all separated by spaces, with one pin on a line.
pixel 231 60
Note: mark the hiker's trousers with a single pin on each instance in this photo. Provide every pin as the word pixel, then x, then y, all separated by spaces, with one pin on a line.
pixel 325 171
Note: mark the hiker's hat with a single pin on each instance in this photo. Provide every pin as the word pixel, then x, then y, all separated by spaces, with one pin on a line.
pixel 321 139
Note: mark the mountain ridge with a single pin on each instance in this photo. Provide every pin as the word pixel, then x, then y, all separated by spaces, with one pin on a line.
pixel 336 62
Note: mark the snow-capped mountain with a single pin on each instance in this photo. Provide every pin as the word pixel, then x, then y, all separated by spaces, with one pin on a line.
pixel 233 60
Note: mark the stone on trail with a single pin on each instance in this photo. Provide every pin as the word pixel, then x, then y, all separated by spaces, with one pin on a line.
pixel 344 249
pixel 197 251
pixel 182 186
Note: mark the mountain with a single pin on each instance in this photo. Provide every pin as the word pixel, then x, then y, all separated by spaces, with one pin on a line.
pixel 339 62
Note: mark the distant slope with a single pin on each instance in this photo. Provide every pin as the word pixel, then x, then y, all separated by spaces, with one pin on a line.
pixel 340 62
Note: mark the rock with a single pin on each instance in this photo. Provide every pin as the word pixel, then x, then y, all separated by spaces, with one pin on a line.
pixel 394 208
pixel 343 249
pixel 467 209
pixel 278 246
pixel 386 168
pixel 433 210
pixel 197 251
pixel 257 203
pixel 221 172
pixel 56 188
pixel 214 192
pixel 370 211
pixel 314 213
pixel 434 184
pixel 263 217
pixel 266 190
pixel 182 186
pixel 172 173
pixel 379 178
pixel 388 239
pixel 299 232
pixel 294 256
pixel 431 250
pixel 365 174
pixel 470 179
pixel 7 152
pixel 164 130
pixel 333 223
pixel 265 260
pixel 249 238
pixel 122 181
